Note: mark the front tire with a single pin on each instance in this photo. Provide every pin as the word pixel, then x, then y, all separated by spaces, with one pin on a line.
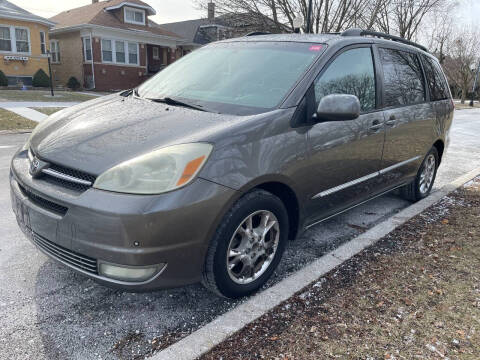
pixel 421 187
pixel 247 245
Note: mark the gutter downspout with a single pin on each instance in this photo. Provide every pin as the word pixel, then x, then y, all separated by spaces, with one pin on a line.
pixel 93 67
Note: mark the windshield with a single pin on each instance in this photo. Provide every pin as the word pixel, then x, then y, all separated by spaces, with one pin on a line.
pixel 237 77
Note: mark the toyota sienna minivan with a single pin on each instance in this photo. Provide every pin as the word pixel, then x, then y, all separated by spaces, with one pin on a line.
pixel 206 170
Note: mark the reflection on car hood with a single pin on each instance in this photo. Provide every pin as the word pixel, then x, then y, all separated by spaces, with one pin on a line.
pixel 98 134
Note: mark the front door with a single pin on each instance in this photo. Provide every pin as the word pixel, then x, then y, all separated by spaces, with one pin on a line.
pixel 345 156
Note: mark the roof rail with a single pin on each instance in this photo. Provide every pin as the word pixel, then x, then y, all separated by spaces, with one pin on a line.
pixel 360 32
pixel 255 33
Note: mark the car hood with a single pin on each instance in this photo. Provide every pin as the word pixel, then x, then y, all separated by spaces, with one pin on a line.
pixel 98 134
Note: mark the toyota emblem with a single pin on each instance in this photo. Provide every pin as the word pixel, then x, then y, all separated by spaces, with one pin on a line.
pixel 36 167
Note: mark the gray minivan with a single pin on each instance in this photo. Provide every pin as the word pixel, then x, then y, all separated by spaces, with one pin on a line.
pixel 204 171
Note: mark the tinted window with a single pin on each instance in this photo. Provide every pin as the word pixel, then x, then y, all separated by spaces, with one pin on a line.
pixel 403 78
pixel 435 80
pixel 352 72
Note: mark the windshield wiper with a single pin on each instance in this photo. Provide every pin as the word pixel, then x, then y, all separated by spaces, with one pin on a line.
pixel 129 92
pixel 171 101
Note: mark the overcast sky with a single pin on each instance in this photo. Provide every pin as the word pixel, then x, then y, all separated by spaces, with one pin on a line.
pixel 177 10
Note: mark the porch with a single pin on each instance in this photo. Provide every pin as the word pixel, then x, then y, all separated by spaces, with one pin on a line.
pixel 158 57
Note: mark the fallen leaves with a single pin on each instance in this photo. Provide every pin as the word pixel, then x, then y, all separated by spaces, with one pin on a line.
pixel 408 301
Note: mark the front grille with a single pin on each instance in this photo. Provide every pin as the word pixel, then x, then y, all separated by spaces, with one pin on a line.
pixel 65 183
pixel 74 259
pixel 66 177
pixel 44 203
pixel 72 172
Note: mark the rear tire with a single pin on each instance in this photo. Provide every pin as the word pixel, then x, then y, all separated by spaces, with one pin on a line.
pixel 421 187
pixel 247 245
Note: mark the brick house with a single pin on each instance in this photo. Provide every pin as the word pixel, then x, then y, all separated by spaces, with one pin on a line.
pixel 110 45
pixel 23 43
pixel 199 32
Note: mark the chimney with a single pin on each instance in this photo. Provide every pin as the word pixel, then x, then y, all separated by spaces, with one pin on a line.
pixel 211 10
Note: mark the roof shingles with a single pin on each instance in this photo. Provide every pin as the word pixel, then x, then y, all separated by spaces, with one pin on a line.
pixel 9 10
pixel 96 15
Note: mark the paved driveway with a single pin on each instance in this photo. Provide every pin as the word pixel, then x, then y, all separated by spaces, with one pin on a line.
pixel 49 312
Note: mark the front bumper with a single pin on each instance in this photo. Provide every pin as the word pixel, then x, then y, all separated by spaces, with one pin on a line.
pixel 82 230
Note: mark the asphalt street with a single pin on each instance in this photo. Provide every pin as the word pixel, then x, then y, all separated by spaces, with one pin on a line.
pixel 50 312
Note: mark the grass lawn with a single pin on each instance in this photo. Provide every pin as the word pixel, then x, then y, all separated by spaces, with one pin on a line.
pixel 48 110
pixel 42 95
pixel 459 106
pixel 413 295
pixel 12 121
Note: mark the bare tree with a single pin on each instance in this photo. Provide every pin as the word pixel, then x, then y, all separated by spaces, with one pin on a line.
pixel 327 15
pixel 463 56
pixel 400 17
pixel 404 17
pixel 440 31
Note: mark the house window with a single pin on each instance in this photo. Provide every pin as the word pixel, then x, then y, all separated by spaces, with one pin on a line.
pixel 43 44
pixel 120 51
pixel 134 16
pixel 87 49
pixel 155 53
pixel 14 39
pixel 133 53
pixel 5 42
pixel 116 51
pixel 107 55
pixel 23 45
pixel 55 51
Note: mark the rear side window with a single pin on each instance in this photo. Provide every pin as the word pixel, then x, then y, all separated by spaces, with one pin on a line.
pixel 437 84
pixel 352 73
pixel 403 78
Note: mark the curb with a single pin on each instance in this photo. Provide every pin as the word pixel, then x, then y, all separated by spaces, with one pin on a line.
pixel 202 340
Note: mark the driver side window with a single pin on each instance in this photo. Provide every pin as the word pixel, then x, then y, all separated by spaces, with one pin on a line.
pixel 352 72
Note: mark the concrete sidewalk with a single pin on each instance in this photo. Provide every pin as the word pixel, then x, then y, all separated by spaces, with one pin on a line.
pixel 28 113
pixel 24 108
pixel 30 104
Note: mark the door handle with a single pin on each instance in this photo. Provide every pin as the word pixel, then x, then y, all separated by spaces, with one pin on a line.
pixel 376 125
pixel 391 121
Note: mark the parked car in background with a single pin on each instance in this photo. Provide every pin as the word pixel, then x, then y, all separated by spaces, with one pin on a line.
pixel 205 171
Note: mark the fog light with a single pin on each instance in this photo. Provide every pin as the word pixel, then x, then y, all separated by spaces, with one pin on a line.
pixel 129 273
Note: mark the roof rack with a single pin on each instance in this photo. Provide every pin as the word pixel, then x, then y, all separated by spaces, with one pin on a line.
pixel 360 32
pixel 255 33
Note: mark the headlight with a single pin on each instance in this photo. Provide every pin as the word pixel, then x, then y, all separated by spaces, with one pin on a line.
pixel 156 172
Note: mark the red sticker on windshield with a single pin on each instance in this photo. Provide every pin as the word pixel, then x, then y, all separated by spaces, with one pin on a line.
pixel 315 48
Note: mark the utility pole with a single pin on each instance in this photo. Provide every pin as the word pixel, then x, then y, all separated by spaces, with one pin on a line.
pixel 475 84
pixel 50 72
pixel 309 16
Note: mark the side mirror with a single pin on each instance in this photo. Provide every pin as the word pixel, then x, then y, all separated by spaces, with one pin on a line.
pixel 337 107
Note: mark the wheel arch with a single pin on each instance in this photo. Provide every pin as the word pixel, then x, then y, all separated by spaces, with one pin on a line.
pixel 289 199
pixel 440 146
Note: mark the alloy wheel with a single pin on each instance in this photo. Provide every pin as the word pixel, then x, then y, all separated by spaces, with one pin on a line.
pixel 427 174
pixel 253 246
